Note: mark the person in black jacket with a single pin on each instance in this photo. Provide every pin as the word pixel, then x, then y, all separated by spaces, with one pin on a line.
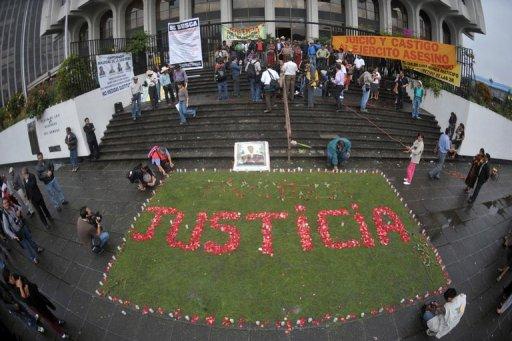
pixel 94 149
pixel 484 173
pixel 46 174
pixel 28 293
pixel 72 143
pixel 35 197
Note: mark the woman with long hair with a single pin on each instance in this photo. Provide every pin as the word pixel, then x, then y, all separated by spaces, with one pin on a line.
pixel 472 176
pixel 416 150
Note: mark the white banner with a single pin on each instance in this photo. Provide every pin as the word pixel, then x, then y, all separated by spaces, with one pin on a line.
pixel 185 44
pixel 115 72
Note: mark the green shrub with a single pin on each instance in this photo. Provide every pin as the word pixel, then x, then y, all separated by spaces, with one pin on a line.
pixel 138 43
pixel 14 106
pixel 73 78
pixel 39 99
pixel 433 84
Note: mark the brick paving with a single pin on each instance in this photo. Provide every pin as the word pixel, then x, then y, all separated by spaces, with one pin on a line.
pixel 467 236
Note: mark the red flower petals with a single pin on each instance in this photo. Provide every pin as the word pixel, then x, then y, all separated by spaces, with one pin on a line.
pixel 383 229
pixel 234 234
pixel 266 228
pixel 303 229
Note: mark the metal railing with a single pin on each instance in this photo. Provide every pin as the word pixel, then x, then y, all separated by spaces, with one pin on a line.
pixel 157 51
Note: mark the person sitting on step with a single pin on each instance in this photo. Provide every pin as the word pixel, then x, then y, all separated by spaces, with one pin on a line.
pixel 338 151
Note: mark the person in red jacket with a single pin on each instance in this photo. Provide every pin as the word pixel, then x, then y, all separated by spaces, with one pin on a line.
pixel 161 158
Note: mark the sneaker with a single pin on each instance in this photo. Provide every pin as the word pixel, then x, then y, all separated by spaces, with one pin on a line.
pixel 405 179
pixel 430 333
pixel 61 322
pixel 40 329
pixel 65 202
pixel 76 169
pixel 407 183
pixel 40 249
pixel 266 111
pixel 65 336
pixel 35 261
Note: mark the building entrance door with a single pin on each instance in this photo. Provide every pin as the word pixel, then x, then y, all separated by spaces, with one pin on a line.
pixel 283 32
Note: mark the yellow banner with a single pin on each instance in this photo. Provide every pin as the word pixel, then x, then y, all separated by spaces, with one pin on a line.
pixel 420 51
pixel 449 74
pixel 243 33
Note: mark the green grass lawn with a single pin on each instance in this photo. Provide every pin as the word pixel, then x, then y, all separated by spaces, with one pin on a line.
pixel 292 283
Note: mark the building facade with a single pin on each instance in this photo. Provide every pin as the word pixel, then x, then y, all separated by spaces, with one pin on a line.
pixel 25 55
pixel 33 30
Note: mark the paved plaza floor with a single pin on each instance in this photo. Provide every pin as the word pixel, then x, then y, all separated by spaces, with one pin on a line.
pixel 468 237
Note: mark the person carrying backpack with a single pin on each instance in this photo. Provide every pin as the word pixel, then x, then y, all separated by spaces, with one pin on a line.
pixel 253 70
pixel 269 79
pixel 221 79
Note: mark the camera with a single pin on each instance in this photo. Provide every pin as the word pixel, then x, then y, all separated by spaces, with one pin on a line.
pixel 95 219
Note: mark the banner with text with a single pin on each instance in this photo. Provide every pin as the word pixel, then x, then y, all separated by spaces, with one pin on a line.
pixel 185 44
pixel 419 51
pixel 243 33
pixel 448 74
pixel 115 72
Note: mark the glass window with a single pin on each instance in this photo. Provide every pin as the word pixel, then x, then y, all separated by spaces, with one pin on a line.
pixel 134 17
pixel 425 26
pixel 83 34
pixel 399 17
pixel 447 35
pixel 332 11
pixel 106 29
pixel 248 10
pixel 368 13
pixel 206 10
pixel 166 12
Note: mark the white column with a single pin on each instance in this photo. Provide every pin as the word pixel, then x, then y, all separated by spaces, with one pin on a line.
pixel 386 21
pixel 119 20
pixel 270 14
pixel 226 10
pixel 185 9
pixel 413 13
pixel 312 31
pixel 351 15
pixel 149 16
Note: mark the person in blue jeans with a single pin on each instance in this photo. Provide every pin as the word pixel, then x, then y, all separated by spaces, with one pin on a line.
pixel 338 151
pixel 235 75
pixel 419 93
pixel 89 227
pixel 253 71
pixel 136 91
pixel 443 147
pixel 72 143
pixel 16 229
pixel 221 79
pixel 366 80
pixel 183 108
pixel 46 174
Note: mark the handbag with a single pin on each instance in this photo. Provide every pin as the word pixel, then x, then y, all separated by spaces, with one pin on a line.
pixel 273 85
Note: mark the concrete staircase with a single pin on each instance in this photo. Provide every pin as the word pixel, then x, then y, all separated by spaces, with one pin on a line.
pixel 219 124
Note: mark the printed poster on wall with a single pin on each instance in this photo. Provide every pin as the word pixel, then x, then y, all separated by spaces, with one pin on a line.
pixel 115 72
pixel 185 44
pixel 243 33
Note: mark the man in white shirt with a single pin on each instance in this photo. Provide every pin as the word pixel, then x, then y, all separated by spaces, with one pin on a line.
pixel 359 64
pixel 269 78
pixel 136 90
pixel 289 70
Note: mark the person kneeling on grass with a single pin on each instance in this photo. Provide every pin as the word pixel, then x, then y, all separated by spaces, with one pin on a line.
pixel 441 320
pixel 161 158
pixel 143 176
pixel 338 151
pixel 89 230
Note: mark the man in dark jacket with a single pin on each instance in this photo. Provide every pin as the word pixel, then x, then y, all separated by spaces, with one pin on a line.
pixel 35 197
pixel 72 143
pixel 17 186
pixel 91 140
pixel 483 175
pixel 45 173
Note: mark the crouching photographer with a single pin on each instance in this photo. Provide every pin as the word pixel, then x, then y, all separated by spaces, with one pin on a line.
pixel 89 230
